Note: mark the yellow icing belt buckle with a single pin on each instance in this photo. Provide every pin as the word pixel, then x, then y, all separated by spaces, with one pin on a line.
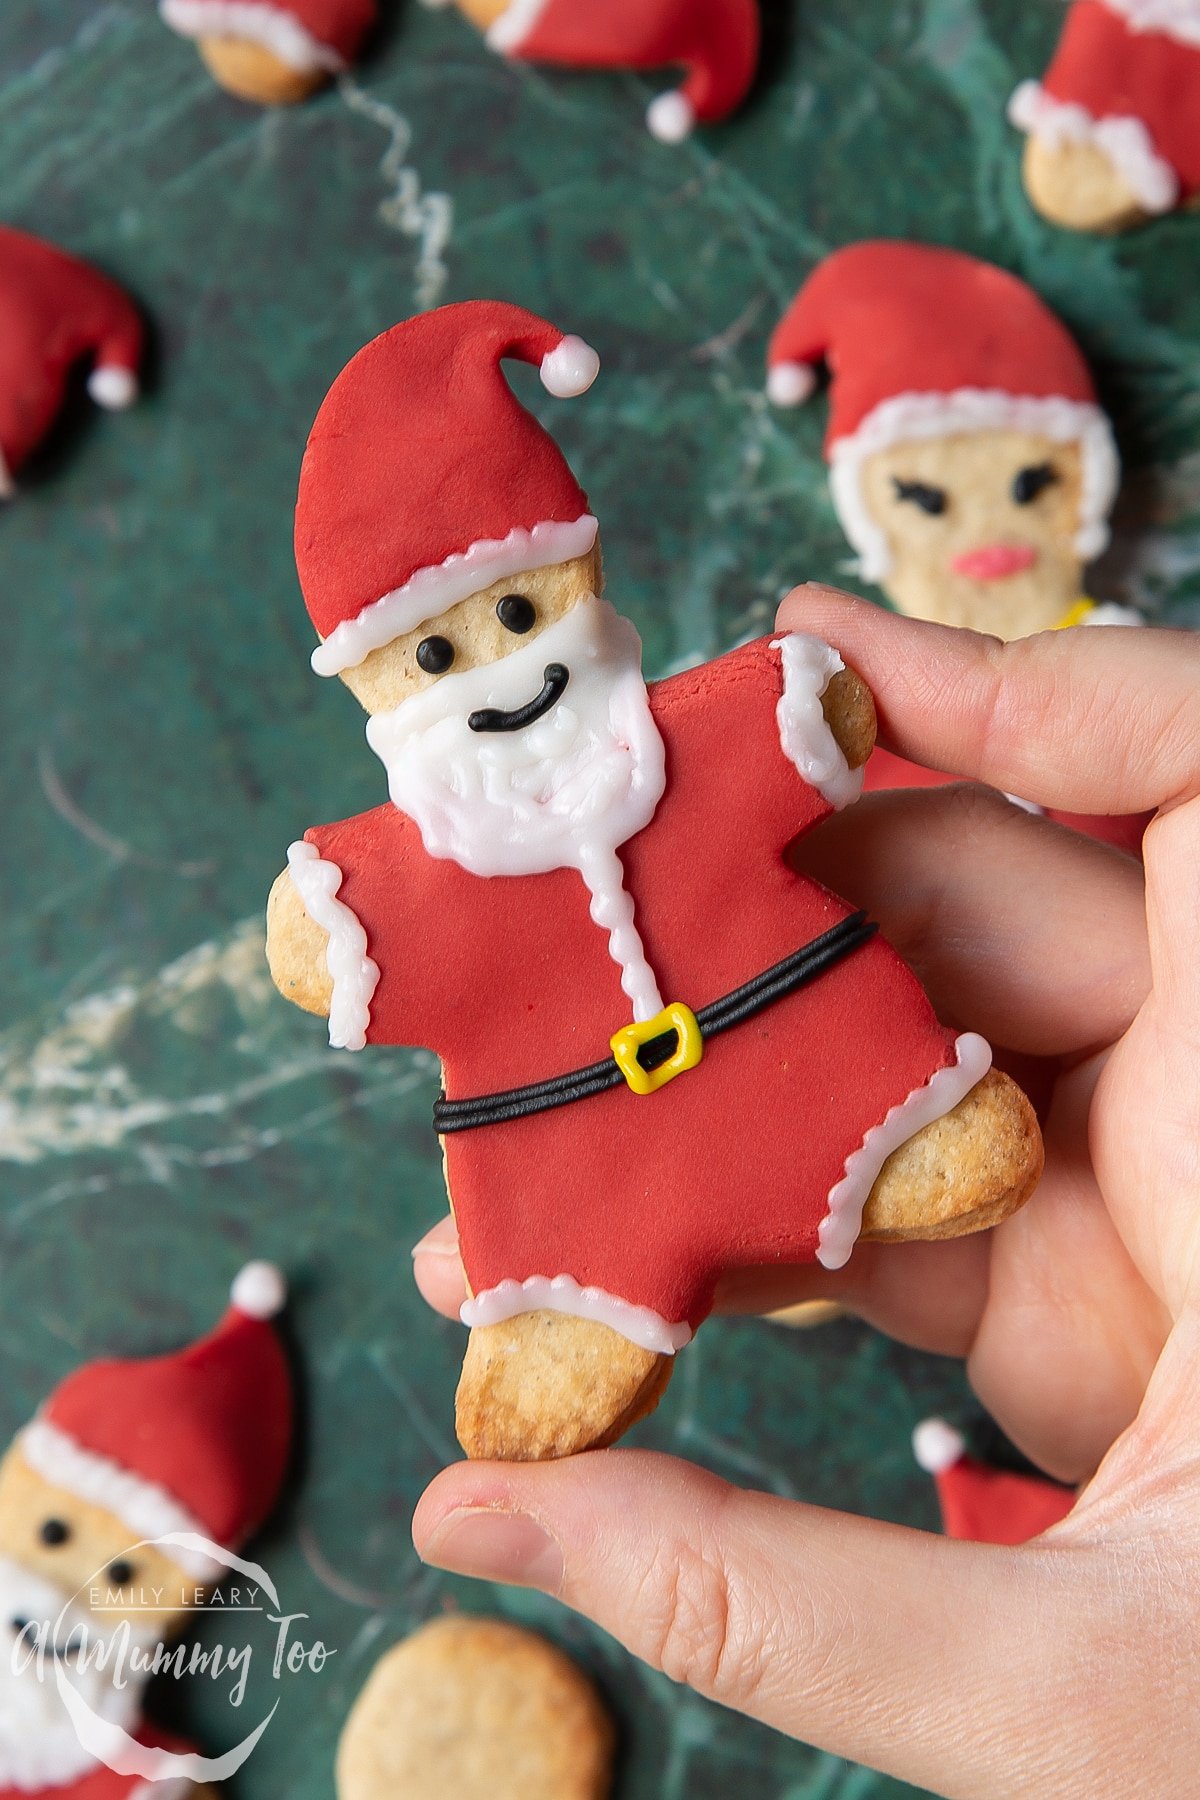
pixel 626 1043
pixel 1077 615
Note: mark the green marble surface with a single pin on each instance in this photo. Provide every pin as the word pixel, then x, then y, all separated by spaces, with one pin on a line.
pixel 162 1115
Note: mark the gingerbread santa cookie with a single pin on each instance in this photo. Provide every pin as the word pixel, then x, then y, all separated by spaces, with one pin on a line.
pixel 715 42
pixel 55 313
pixel 273 52
pixel 1114 124
pixel 981 1503
pixel 664 1053
pixel 114 1498
pixel 476 1709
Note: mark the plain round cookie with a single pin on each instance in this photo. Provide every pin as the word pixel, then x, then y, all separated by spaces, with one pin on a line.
pixel 475 1709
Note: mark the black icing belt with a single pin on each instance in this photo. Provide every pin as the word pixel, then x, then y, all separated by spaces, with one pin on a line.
pixel 795 971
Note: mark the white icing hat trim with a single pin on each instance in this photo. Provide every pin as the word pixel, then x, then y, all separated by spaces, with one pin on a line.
pixel 148 1510
pixel 791 383
pixel 937 1446
pixel 437 587
pixel 113 387
pixel 1124 139
pixel 259 1290
pixel 941 1094
pixel 671 118
pixel 259 23
pixel 563 1294
pixel 915 416
pixel 804 732
pixel 509 31
pixel 1178 19
pixel 355 977
pixel 570 369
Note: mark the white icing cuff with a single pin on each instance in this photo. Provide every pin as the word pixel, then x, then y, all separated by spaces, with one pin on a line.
pixel 112 387
pixel 507 33
pixel 259 23
pixel 804 734
pixel 921 416
pixel 1178 19
pixel 671 118
pixel 434 589
pixel 791 383
pixel 259 1291
pixel 937 1446
pixel 354 975
pixel 147 1509
pixel 941 1094
pixel 570 369
pixel 1124 139
pixel 1110 612
pixel 563 1294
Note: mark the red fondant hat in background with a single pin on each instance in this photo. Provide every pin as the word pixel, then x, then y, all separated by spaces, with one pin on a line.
pixel 425 479
pixel 984 1505
pixel 920 343
pixel 195 1442
pixel 716 41
pixel 56 311
pixel 306 35
pixel 1125 78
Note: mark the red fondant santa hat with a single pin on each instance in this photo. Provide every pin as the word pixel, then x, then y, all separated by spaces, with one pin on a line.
pixel 195 1442
pixel 56 311
pixel 425 479
pixel 984 1505
pixel 1126 78
pixel 304 34
pixel 922 343
pixel 716 41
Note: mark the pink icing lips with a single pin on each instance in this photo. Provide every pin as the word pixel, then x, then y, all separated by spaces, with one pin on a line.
pixel 992 562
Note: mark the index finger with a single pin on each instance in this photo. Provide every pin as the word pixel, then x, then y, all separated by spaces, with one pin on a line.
pixel 1103 720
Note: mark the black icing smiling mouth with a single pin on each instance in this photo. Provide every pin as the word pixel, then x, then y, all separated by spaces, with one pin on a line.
pixel 490 718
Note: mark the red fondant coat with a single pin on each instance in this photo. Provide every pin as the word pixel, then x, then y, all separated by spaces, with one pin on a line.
pixel 1113 72
pixel 648 1198
pixel 102 1784
pixel 998 1506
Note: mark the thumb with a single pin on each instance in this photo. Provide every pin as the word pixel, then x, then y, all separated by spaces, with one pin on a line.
pixel 934 1661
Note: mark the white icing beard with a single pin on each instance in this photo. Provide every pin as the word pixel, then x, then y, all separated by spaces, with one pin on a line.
pixel 39 1746
pixel 564 792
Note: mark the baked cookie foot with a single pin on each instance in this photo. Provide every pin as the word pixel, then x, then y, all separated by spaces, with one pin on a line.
pixel 1077 186
pixel 250 72
pixel 545 1385
pixel 965 1172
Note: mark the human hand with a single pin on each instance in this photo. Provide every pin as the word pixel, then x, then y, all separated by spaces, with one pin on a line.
pixel 1069 1666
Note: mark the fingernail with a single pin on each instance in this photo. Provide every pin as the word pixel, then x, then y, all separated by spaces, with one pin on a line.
pixel 432 1245
pixel 496 1546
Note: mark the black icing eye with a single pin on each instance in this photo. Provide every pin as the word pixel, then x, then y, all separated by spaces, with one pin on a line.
pixel 434 655
pixel 120 1573
pixel 54 1532
pixel 516 613
pixel 1029 483
pixel 931 500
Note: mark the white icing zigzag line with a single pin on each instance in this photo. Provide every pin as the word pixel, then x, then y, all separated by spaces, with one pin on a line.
pixel 940 1095
pixel 804 733
pixel 427 217
pixel 354 975
pixel 612 910
pixel 563 1294
pixel 1124 139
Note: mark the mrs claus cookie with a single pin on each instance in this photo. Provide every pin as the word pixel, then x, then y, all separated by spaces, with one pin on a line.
pixel 1113 126
pixel 475 1709
pixel 190 1447
pixel 273 52
pixel 56 312
pixel 715 41
pixel 664 1053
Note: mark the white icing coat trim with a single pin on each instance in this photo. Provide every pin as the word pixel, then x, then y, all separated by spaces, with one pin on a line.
pixel 509 31
pixel 941 1094
pixel 1178 19
pixel 563 1294
pixel 804 734
pixel 260 23
pixel 434 589
pixel 354 975
pixel 147 1509
pixel 928 415
pixel 1111 612
pixel 1123 138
